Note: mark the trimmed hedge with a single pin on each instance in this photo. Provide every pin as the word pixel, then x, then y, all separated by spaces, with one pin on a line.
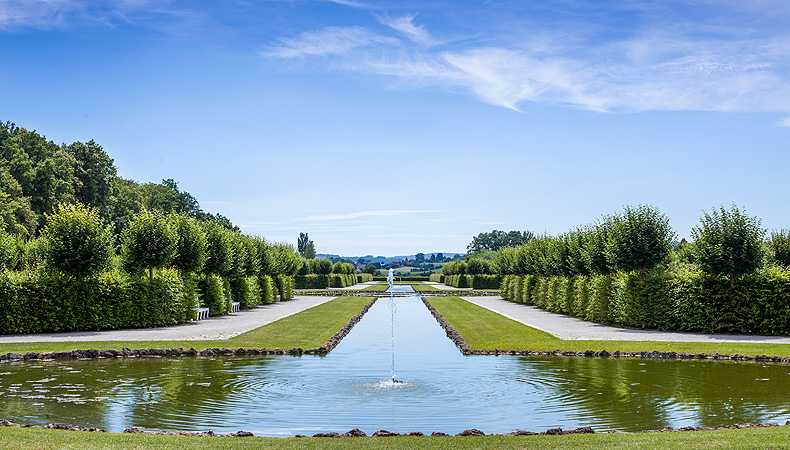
pixel 33 302
pixel 436 277
pixel 285 286
pixel 267 289
pixel 684 300
pixel 364 277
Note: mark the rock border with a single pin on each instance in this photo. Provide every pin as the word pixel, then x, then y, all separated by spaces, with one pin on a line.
pixel 461 344
pixel 356 432
pixel 164 352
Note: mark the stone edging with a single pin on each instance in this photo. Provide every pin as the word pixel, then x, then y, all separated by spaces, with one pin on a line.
pixel 461 344
pixel 160 352
pixel 356 432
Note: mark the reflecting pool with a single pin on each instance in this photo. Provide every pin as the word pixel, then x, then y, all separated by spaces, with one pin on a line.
pixel 349 388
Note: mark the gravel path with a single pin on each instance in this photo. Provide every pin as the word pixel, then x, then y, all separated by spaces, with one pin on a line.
pixel 570 328
pixel 218 327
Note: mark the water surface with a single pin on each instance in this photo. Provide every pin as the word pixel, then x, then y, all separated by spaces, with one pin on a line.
pixel 349 388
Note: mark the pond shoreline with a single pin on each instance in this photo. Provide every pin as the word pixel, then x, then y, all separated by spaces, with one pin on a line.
pixel 459 342
pixel 176 352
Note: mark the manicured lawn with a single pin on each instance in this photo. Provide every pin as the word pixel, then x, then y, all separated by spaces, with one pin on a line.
pixel 486 330
pixel 308 329
pixel 755 438
pixel 422 287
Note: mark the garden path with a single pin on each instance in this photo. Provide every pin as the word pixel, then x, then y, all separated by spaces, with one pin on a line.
pixel 217 327
pixel 571 328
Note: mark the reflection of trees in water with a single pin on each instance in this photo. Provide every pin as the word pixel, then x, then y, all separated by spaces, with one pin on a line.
pixel 155 393
pixel 636 394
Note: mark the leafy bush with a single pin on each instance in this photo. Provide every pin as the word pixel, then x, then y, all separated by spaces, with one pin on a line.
pixel 364 277
pixel 149 242
pixel 639 239
pixel 779 243
pixel 267 289
pixel 76 242
pixel 485 281
pixel 729 243
pixel 191 247
pixel 285 285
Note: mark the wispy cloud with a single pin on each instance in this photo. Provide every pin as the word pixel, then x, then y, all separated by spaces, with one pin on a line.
pixel 328 41
pixel 784 122
pixel 660 66
pixel 356 215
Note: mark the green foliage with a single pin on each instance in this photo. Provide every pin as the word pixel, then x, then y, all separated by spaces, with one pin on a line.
pixel 323 266
pixel 371 269
pixel 364 277
pixel 779 243
pixel 149 242
pixel 76 242
pixel 8 250
pixel 485 281
pixel 496 240
pixel 639 239
pixel 436 277
pixel 246 291
pixel 266 284
pixel 219 253
pixel 190 255
pixel 594 243
pixel 728 242
pixel 285 285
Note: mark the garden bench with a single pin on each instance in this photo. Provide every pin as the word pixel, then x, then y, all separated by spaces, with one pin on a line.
pixel 235 307
pixel 202 313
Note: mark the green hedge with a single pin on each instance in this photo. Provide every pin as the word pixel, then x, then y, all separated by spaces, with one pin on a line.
pixel 285 286
pixel 267 289
pixel 246 291
pixel 32 302
pixel 214 295
pixel 485 281
pixel 364 277
pixel 684 300
pixel 436 277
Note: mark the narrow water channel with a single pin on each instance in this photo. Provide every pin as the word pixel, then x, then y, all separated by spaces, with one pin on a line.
pixel 442 390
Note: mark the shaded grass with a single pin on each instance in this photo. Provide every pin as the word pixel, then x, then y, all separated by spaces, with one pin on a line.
pixel 308 329
pixel 755 438
pixel 483 329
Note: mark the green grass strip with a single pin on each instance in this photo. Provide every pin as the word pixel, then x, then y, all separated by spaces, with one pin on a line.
pixel 748 439
pixel 483 329
pixel 308 329
pixel 421 287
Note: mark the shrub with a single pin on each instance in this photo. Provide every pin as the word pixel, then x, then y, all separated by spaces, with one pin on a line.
pixel 486 281
pixel 364 277
pixel 267 289
pixel 639 239
pixel 76 242
pixel 149 242
pixel 191 247
pixel 323 266
pixel 729 243
pixel 779 243
pixel 285 285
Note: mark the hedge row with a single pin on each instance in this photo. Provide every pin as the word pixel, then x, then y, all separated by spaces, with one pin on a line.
pixel 30 303
pixel 436 278
pixel 473 281
pixel 364 277
pixel 334 280
pixel 684 300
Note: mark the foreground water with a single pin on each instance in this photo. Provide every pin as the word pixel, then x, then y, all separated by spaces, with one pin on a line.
pixel 350 388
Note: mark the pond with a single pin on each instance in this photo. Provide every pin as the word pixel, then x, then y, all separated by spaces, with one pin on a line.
pixel 443 390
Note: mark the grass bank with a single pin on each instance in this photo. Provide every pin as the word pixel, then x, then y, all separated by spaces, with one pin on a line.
pixel 308 329
pixel 755 438
pixel 483 329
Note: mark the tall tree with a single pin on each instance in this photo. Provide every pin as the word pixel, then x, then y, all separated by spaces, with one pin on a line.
pixel 76 242
pixel 309 251
pixel 498 239
pixel 149 242
pixel 301 243
pixel 94 173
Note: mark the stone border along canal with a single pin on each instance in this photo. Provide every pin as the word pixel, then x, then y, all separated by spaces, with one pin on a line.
pixel 333 342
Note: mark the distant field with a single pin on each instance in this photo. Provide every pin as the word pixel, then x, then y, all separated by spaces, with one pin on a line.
pixel 406 270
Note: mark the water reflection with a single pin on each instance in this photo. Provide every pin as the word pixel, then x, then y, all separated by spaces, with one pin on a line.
pixel 443 390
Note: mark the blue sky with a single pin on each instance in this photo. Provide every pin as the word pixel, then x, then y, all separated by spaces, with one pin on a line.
pixel 393 127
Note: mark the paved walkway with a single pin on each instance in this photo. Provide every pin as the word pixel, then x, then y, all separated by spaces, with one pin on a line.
pixel 570 328
pixel 218 327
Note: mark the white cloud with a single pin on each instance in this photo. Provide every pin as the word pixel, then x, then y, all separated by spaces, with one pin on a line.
pixel 405 24
pixel 784 122
pixel 661 66
pixel 328 41
pixel 391 212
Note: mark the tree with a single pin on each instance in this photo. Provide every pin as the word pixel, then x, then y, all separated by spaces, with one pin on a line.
pixel 301 243
pixel 94 173
pixel 780 244
pixel 371 269
pixel 190 255
pixel 323 266
pixel 76 242
pixel 309 251
pixel 218 250
pixel 728 242
pixel 639 239
pixel 149 242
pixel 498 239
pixel 419 258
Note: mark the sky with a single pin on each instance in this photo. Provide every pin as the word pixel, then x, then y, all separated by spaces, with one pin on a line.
pixel 396 127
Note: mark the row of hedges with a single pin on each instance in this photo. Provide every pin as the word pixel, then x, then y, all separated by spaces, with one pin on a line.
pixel 402 278
pixel 30 303
pixel 436 278
pixel 683 300
pixel 37 302
pixel 364 277
pixel 333 280
pixel 473 281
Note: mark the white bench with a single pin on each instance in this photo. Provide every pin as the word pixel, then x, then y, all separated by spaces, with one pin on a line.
pixel 202 313
pixel 235 307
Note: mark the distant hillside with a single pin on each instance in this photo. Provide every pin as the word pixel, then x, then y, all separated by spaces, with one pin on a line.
pixel 382 259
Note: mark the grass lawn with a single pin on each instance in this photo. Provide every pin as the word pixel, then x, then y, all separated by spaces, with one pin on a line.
pixel 755 438
pixel 422 287
pixel 308 329
pixel 486 330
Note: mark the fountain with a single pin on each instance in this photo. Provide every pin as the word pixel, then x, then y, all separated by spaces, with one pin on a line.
pixel 391 283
